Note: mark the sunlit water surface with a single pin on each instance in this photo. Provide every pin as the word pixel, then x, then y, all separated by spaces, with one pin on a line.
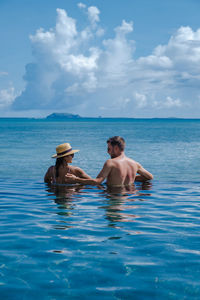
pixel 84 242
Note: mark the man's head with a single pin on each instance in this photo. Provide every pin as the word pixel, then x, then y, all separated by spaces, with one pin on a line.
pixel 116 146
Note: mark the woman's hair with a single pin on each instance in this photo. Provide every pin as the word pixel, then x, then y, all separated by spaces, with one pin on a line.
pixel 59 162
pixel 117 141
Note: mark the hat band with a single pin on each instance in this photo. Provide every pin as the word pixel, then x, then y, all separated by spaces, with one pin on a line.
pixel 64 152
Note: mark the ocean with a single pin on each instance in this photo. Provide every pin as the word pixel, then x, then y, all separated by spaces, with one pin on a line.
pixel 86 242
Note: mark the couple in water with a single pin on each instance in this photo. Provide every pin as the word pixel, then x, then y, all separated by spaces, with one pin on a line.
pixel 118 171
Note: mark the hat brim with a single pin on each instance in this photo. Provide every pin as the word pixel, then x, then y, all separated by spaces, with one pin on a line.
pixel 66 154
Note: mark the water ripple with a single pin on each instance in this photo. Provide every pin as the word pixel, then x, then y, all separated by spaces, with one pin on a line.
pixel 140 243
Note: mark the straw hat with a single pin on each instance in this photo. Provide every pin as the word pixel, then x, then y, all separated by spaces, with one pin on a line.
pixel 64 150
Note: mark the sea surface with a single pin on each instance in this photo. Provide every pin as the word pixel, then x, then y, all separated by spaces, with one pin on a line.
pixel 86 242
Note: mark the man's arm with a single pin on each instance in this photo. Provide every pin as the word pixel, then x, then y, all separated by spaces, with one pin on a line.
pixel 70 178
pixel 144 174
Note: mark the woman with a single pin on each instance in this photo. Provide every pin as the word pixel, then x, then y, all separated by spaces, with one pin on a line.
pixel 64 155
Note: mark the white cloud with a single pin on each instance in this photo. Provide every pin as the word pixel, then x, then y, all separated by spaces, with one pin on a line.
pixel 81 5
pixel 154 61
pixel 117 57
pixel 183 49
pixel 93 14
pixel 124 28
pixel 141 99
pixel 7 97
pixel 2 73
pixel 170 102
pixel 78 71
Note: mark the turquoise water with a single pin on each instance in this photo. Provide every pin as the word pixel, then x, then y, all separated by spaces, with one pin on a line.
pixel 92 243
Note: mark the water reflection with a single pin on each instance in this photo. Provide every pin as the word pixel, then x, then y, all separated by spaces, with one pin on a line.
pixel 119 205
pixel 117 201
pixel 64 194
pixel 145 186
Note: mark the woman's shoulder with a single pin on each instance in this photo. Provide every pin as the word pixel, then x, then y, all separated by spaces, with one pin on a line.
pixel 78 172
pixel 51 169
pixel 49 176
pixel 74 168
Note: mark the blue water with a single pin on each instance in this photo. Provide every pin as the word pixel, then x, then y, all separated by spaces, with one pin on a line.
pixel 86 242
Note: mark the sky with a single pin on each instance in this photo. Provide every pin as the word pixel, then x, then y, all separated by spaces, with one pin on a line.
pixel 109 58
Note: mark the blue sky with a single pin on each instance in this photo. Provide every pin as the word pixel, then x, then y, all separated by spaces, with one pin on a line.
pixel 111 58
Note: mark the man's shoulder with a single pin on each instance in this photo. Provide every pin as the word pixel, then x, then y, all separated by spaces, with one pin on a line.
pixel 108 163
pixel 133 163
pixel 131 160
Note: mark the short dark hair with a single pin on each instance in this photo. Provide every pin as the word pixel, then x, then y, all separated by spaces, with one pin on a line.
pixel 117 141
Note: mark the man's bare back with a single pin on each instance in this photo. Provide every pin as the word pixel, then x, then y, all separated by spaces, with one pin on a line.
pixel 119 170
pixel 122 172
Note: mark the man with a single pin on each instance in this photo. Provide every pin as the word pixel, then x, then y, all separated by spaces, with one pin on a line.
pixel 119 170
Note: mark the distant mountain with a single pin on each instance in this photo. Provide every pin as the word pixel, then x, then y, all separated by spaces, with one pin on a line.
pixel 63 116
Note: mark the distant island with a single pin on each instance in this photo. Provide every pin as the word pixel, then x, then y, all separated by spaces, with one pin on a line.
pixel 74 117
pixel 63 116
